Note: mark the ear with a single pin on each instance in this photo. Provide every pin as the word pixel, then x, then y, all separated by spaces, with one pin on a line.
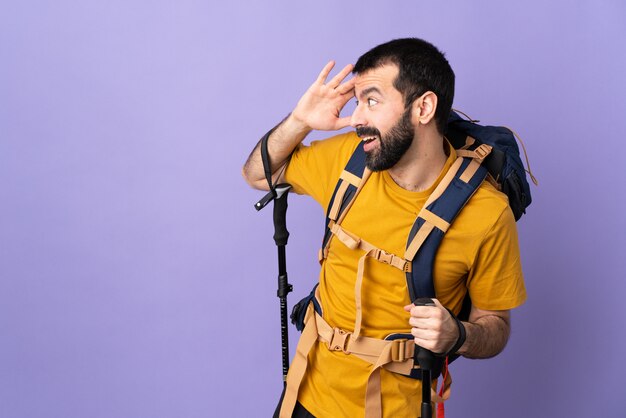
pixel 423 109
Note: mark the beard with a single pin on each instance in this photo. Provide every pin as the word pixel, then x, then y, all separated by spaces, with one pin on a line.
pixel 392 146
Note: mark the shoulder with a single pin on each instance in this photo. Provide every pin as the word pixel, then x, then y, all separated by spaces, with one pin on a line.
pixel 486 210
pixel 488 195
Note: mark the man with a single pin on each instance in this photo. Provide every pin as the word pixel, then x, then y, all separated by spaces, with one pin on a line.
pixel 404 91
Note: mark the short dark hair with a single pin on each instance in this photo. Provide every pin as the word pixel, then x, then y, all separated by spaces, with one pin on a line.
pixel 422 68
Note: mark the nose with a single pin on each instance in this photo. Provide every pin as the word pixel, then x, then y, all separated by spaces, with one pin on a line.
pixel 357 119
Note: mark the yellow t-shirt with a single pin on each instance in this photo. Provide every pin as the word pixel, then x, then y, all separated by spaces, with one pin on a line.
pixel 479 254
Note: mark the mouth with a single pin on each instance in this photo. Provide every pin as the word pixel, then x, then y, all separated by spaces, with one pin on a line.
pixel 369 143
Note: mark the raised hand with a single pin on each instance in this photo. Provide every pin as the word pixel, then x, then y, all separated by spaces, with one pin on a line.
pixel 320 106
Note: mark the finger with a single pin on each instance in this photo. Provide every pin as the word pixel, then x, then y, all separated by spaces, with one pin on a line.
pixel 336 80
pixel 437 303
pixel 347 87
pixel 425 322
pixel 423 343
pixel 325 71
pixel 343 122
pixel 424 334
pixel 345 98
pixel 419 323
pixel 429 345
pixel 423 311
pixel 424 340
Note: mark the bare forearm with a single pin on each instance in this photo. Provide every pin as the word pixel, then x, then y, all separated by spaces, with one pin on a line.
pixel 281 143
pixel 486 336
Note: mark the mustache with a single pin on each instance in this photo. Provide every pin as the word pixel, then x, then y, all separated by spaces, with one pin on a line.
pixel 362 131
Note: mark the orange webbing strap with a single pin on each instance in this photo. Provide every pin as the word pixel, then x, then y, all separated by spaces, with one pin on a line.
pixel 397 355
pixel 347 238
pixel 353 242
pixel 469 141
pixel 373 390
pixel 431 220
pixel 435 220
pixel 469 172
pixel 367 348
pixel 445 182
pixel 299 364
pixel 353 179
pixel 427 227
pixel 334 209
pixel 358 297
pixel 373 407
pixel 480 153
pixel 418 240
pixel 366 175
pixel 346 178
pixel 477 155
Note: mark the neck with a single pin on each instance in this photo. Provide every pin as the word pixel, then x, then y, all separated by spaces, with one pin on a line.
pixel 421 165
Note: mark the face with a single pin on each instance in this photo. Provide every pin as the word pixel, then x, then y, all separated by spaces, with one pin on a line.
pixel 381 119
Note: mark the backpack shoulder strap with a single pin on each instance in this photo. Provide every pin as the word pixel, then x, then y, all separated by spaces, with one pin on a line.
pixel 350 183
pixel 448 199
pixel 456 188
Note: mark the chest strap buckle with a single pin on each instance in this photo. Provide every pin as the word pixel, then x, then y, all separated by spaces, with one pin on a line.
pixel 392 259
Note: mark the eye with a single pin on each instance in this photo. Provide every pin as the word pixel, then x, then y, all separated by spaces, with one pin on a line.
pixel 372 102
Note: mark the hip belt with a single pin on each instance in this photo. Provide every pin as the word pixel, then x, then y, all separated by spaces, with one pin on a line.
pixel 395 355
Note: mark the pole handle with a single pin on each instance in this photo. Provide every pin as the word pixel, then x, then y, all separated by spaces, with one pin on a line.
pixel 281 235
pixel 426 360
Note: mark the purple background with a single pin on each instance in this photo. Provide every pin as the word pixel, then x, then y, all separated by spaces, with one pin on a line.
pixel 136 279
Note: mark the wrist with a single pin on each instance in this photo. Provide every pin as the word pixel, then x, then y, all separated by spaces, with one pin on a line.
pixel 296 125
pixel 461 338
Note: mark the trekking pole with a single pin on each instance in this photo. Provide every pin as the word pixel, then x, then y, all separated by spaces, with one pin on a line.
pixel 278 193
pixel 426 360
pixel 281 235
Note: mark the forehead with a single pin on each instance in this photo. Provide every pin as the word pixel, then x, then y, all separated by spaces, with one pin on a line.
pixel 380 78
